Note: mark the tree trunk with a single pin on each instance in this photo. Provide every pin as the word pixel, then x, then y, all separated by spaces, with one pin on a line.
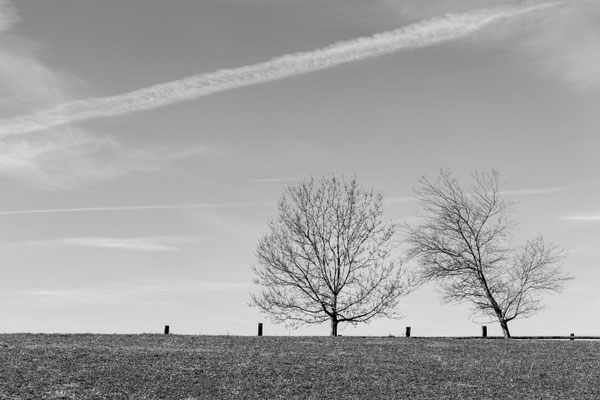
pixel 505 331
pixel 334 326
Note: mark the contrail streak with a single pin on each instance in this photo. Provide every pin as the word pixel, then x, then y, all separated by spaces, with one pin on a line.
pixel 391 200
pixel 517 192
pixel 425 33
pixel 584 247
pixel 527 192
pixel 592 218
pixel 275 180
pixel 129 208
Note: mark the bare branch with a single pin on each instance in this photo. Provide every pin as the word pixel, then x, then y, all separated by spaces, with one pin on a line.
pixel 463 243
pixel 328 256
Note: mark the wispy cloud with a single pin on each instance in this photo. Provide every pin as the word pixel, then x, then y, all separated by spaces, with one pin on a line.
pixel 26 83
pixel 423 34
pixel 73 294
pixel 567 43
pixel 397 200
pixel 564 43
pixel 517 192
pixel 57 293
pixel 155 243
pixel 390 200
pixel 64 158
pixel 589 217
pixel 419 9
pixel 533 192
pixel 135 208
pixel 127 292
pixel 72 157
pixel 275 180
pixel 8 15
pixel 587 246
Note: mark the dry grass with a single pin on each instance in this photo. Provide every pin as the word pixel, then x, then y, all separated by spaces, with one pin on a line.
pixel 208 367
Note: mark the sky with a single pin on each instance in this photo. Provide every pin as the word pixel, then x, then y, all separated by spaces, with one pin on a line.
pixel 144 145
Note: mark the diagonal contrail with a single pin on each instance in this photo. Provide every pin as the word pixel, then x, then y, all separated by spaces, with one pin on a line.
pixel 425 33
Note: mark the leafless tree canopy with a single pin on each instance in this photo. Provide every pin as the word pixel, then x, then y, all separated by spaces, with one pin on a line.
pixel 464 244
pixel 328 257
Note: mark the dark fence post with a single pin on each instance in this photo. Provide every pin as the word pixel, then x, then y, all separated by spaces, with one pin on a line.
pixel 408 331
pixel 484 331
pixel 572 336
pixel 260 329
pixel 166 329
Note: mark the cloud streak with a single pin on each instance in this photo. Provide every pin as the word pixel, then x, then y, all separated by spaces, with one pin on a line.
pixel 126 292
pixel 157 243
pixel 391 200
pixel 401 199
pixel 8 15
pixel 533 192
pixel 72 157
pixel 275 180
pixel 60 159
pixel 594 217
pixel 26 83
pixel 422 34
pixel 567 43
pixel 517 192
pixel 584 247
pixel 134 208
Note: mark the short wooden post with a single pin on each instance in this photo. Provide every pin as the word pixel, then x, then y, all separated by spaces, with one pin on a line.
pixel 166 329
pixel 408 331
pixel 572 336
pixel 260 329
pixel 484 331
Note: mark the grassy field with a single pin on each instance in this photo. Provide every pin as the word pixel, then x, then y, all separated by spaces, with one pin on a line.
pixel 229 367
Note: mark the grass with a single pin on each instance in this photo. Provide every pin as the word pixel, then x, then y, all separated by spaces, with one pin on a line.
pixel 228 367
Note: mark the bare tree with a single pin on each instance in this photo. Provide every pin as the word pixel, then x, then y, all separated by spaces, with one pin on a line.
pixel 328 257
pixel 464 244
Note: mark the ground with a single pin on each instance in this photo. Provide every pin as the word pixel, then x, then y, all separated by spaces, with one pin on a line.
pixel 232 367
